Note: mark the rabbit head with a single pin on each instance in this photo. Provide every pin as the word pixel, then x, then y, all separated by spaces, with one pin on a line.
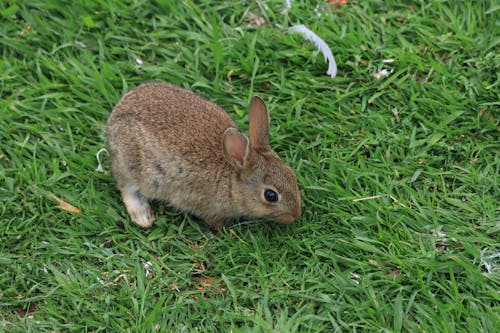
pixel 264 187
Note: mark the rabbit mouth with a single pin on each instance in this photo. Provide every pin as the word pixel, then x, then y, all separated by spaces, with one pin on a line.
pixel 285 218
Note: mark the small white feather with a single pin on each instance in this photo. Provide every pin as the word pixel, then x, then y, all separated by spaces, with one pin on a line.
pixel 321 45
pixel 99 165
pixel 288 5
pixel 137 59
pixel 80 44
pixel 490 262
pixel 381 73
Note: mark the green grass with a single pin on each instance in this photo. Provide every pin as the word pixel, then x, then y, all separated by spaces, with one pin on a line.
pixel 424 140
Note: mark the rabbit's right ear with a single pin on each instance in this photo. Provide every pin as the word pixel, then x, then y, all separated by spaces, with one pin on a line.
pixel 236 147
pixel 258 119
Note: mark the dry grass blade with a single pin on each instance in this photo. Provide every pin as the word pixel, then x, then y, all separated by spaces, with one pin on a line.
pixel 66 206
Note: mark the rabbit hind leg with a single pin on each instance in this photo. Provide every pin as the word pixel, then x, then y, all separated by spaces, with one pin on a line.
pixel 138 207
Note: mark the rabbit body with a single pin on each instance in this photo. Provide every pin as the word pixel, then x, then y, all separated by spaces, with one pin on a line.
pixel 169 144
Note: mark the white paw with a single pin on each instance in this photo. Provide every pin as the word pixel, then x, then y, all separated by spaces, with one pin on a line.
pixel 138 208
pixel 142 215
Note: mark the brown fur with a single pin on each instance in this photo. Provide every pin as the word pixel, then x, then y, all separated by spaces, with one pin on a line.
pixel 168 143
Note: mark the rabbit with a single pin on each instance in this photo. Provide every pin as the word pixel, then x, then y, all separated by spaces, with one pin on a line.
pixel 169 144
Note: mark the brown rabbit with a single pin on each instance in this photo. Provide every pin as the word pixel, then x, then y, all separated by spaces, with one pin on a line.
pixel 169 144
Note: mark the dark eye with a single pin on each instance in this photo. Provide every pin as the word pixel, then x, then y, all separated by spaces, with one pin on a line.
pixel 270 195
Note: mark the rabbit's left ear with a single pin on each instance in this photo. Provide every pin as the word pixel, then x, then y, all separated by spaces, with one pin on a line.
pixel 258 119
pixel 236 147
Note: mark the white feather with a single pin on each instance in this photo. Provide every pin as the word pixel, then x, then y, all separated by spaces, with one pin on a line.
pixel 99 165
pixel 321 45
pixel 288 5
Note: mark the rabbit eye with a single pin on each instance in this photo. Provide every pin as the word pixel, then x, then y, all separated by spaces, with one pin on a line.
pixel 270 195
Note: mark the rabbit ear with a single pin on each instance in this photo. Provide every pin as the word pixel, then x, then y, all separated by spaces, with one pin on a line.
pixel 258 119
pixel 236 147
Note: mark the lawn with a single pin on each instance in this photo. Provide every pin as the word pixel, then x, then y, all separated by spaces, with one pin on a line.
pixel 399 173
